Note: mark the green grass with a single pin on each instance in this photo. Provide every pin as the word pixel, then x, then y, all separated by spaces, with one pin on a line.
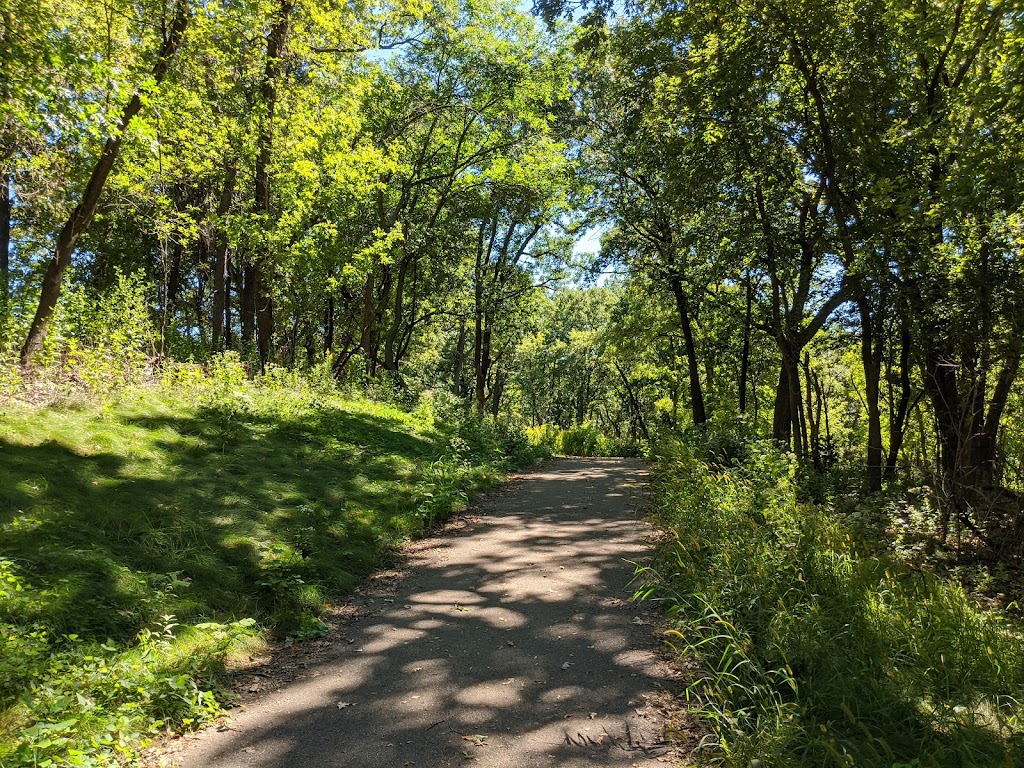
pixel 140 537
pixel 817 650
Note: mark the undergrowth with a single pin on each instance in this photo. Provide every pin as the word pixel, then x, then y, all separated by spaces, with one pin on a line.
pixel 583 440
pixel 816 650
pixel 152 531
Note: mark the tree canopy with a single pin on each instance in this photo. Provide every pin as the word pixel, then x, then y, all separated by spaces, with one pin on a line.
pixel 394 190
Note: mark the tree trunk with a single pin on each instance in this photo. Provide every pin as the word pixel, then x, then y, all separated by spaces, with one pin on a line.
pixel 782 420
pixel 801 410
pixel 174 278
pixel 264 319
pixel 898 422
pixel 482 362
pixel 870 359
pixel 230 277
pixel 786 413
pixel 940 384
pixel 496 393
pixel 172 286
pixel 745 352
pixel 329 327
pixel 813 406
pixel 480 355
pixel 81 217
pixel 796 406
pixel 277 39
pixel 634 403
pixel 693 366
pixel 390 342
pixel 459 364
pixel 221 266
pixel 6 184
pixel 368 334
pixel 247 304
pixel 787 427
pixel 979 466
pixel 198 297
pixel 583 400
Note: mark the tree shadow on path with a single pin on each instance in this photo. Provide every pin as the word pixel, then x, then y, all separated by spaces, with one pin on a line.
pixel 513 644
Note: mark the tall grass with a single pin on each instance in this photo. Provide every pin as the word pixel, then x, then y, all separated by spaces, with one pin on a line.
pixel 817 651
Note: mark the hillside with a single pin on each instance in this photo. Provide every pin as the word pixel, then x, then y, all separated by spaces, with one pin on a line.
pixel 147 539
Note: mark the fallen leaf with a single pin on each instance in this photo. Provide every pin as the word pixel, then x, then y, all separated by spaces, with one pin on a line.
pixel 477 739
pixel 343 704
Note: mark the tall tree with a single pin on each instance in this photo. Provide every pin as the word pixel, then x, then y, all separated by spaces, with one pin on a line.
pixel 172 31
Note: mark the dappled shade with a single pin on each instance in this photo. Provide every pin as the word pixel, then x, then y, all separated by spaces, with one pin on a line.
pixel 517 633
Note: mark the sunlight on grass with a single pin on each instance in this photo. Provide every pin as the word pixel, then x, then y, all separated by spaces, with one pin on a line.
pixel 141 538
pixel 814 650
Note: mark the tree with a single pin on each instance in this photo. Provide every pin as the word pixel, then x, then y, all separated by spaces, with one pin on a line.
pixel 172 31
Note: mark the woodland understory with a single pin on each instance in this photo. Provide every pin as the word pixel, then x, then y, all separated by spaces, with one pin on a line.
pixel 773 246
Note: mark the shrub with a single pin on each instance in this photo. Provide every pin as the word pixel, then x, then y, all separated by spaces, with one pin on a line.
pixel 579 441
pixel 584 440
pixel 96 704
pixel 815 652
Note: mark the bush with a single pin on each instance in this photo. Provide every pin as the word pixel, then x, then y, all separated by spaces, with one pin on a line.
pixel 579 441
pixel 97 704
pixel 619 446
pixel 585 440
pixel 545 436
pixel 815 652
pixel 102 345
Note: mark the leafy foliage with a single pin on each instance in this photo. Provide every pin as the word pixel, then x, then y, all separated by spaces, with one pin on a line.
pixel 346 242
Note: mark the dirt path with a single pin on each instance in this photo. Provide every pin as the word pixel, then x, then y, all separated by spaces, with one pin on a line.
pixel 512 642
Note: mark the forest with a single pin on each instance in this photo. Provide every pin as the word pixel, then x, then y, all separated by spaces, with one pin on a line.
pixel 773 248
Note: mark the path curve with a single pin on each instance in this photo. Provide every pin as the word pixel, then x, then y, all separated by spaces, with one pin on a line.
pixel 512 643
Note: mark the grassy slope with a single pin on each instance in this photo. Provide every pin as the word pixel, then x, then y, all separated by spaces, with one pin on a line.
pixel 112 518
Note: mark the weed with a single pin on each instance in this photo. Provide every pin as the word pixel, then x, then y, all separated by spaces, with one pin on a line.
pixel 584 440
pixel 819 650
